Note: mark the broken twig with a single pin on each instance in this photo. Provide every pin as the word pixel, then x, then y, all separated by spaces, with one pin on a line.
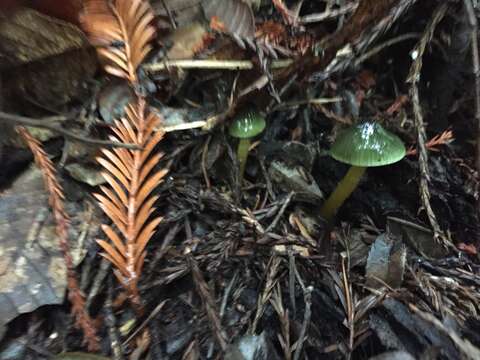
pixel 413 79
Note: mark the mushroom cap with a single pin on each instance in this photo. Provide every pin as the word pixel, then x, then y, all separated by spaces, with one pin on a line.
pixel 246 125
pixel 368 144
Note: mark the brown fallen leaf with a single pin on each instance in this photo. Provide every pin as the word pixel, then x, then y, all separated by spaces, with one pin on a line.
pixel 232 16
pixel 187 41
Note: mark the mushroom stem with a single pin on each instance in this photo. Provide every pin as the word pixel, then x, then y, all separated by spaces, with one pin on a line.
pixel 242 153
pixel 343 190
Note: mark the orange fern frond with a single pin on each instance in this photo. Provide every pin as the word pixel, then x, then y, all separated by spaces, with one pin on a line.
pixel 127 200
pixel 76 297
pixel 124 28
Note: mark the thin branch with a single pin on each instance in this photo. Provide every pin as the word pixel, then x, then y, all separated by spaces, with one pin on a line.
pixel 46 123
pixel 468 350
pixel 208 302
pixel 212 64
pixel 413 79
pixel 307 297
pixel 472 18
pixel 329 14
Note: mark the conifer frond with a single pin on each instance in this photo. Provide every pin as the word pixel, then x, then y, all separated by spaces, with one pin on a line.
pixel 123 28
pixel 128 201
pixel 55 190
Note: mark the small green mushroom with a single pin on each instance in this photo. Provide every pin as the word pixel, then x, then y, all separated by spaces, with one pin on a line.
pixel 363 145
pixel 245 127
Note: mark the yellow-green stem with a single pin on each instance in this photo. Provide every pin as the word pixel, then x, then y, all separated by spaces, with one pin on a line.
pixel 343 190
pixel 242 153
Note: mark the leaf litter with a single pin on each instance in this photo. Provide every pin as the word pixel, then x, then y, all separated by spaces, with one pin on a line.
pixel 244 269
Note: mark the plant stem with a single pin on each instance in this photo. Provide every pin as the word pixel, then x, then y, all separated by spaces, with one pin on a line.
pixel 242 153
pixel 343 190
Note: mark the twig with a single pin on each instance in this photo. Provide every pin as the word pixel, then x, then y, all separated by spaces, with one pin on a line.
pixel 413 79
pixel 227 292
pixel 350 307
pixel 331 115
pixel 212 64
pixel 291 104
pixel 283 90
pixel 143 325
pixel 208 302
pixel 290 17
pixel 270 282
pixel 466 347
pixel 343 60
pixel 250 219
pixel 110 321
pixel 329 14
pixel 307 298
pixel 292 267
pixel 45 123
pixel 98 281
pixel 472 19
pixel 275 221
pixel 380 47
pixel 282 314
pixel 223 305
pixel 169 14
pixel 204 162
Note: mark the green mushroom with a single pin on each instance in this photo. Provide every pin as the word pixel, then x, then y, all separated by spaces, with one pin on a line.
pixel 245 127
pixel 364 145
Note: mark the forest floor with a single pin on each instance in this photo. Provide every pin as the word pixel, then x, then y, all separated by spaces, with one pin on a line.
pixel 167 249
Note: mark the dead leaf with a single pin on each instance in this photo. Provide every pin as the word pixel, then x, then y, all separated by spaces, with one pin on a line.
pixel 386 262
pixel 232 16
pixel 187 41
pixel 470 249
pixel 295 179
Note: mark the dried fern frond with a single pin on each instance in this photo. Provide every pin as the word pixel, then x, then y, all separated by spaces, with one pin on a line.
pixel 128 201
pixel 124 28
pixel 75 295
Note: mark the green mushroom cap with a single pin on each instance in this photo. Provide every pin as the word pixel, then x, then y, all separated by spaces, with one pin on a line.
pixel 247 125
pixel 366 145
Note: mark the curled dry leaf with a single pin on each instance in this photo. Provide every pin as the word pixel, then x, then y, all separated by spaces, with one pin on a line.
pixel 187 41
pixel 231 16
